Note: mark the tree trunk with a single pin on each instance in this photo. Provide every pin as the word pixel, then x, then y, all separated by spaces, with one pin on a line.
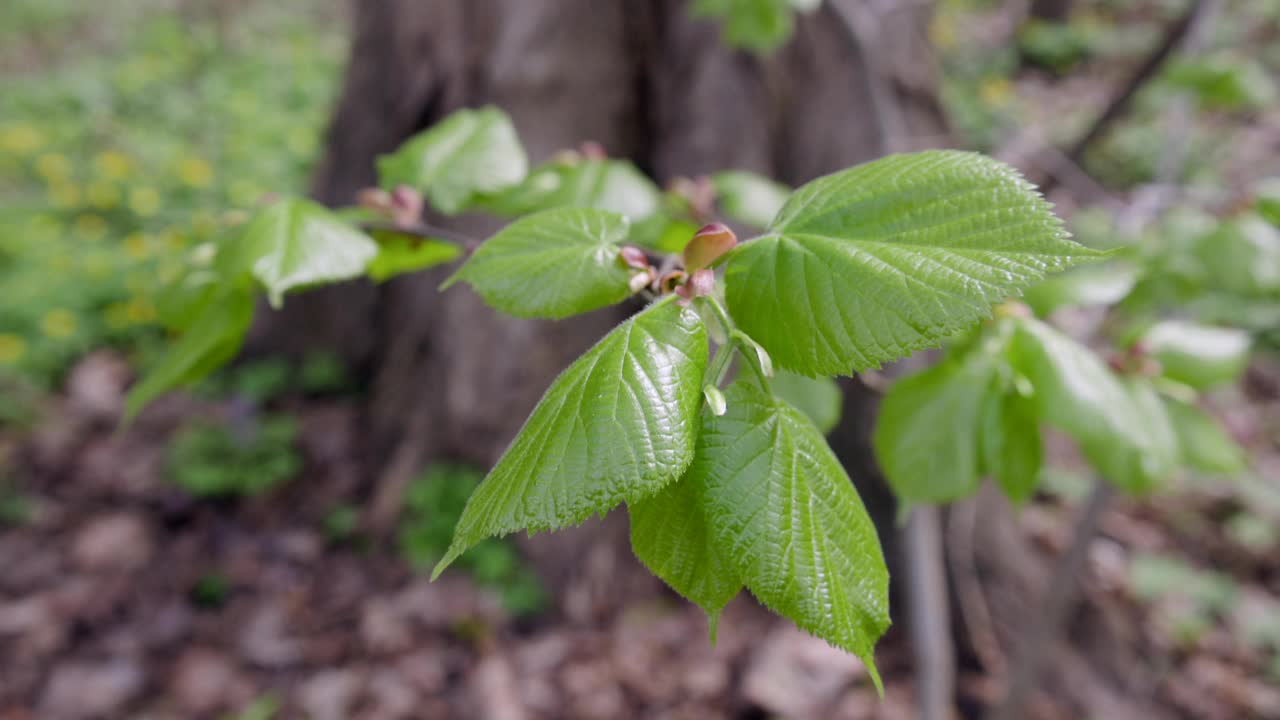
pixel 451 379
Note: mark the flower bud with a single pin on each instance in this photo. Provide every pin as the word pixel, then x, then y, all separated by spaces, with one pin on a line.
pixel 406 206
pixel 634 257
pixel 708 245
pixel 671 281
pixel 374 199
pixel 702 283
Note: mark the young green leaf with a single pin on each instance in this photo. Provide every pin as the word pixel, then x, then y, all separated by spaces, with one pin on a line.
pixel 1113 422
pixel 1242 255
pixel 1012 451
pixel 614 185
pixel 551 264
pixel 213 338
pixel 1100 284
pixel 926 435
pixel 399 253
pixel 869 264
pixel 294 243
pixel 671 536
pixel 818 398
pixel 1202 442
pixel 785 514
pixel 618 424
pixel 1198 355
pixel 757 25
pixel 471 152
pixel 749 198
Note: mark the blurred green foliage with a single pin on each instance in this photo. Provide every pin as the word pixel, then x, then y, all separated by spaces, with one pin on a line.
pixel 432 505
pixel 115 164
pixel 247 455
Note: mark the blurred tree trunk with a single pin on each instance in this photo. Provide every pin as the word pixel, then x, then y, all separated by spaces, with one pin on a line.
pixel 451 379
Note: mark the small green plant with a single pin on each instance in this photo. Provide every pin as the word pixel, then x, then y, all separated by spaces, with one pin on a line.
pixel 341 523
pixel 728 484
pixel 244 457
pixel 433 504
pixel 264 707
pixel 210 591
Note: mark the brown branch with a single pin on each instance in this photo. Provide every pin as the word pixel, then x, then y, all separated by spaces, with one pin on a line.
pixel 1173 38
pixel 424 231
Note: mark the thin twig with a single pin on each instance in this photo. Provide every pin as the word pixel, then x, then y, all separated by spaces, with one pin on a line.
pixel 424 231
pixel 1173 37
pixel 962 521
pixel 1055 606
pixel 931 642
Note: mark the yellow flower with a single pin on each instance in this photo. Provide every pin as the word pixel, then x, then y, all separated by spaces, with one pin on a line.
pixel 58 324
pixel 195 172
pixel 12 348
pixel 64 194
pixel 995 91
pixel 103 195
pixel 137 246
pixel 52 166
pixel 144 201
pixel 140 310
pixel 113 164
pixel 21 139
pixel 91 227
pixel 117 315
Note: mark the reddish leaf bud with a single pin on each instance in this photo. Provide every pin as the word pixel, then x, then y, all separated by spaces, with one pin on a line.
pixel 593 150
pixel 374 199
pixel 669 282
pixel 406 206
pixel 702 283
pixel 711 242
pixel 634 257
pixel 641 280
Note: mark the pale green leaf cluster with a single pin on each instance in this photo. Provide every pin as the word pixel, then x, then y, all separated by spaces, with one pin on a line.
pixel 470 153
pixel 296 243
pixel 872 263
pixel 756 25
pixel 994 391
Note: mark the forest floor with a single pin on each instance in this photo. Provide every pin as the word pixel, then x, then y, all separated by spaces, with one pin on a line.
pixel 122 596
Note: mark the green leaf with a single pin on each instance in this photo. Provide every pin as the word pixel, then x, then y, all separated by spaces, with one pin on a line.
pixel 749 198
pixel 618 424
pixel 926 435
pixel 1100 284
pixel 1012 451
pixel 551 264
pixel 757 25
pixel 1202 442
pixel 819 398
pixel 400 253
pixel 869 264
pixel 1242 255
pixel 1267 200
pixel 1198 355
pixel 671 536
pixel 1116 424
pixel 295 243
pixel 614 185
pixel 214 337
pixel 786 515
pixel 471 152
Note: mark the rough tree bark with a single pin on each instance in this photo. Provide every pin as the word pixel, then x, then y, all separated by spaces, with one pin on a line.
pixel 450 379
